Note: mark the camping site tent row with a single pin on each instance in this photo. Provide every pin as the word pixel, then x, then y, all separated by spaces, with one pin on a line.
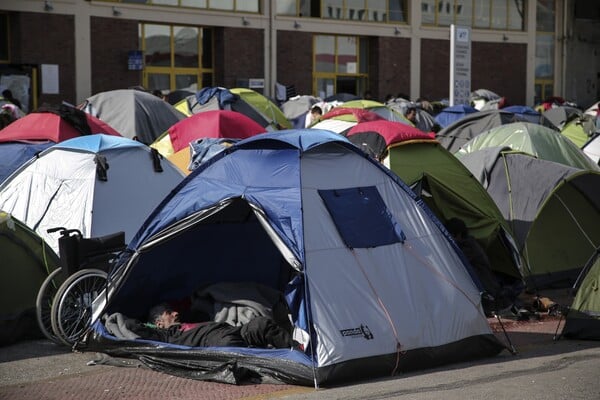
pixel 368 273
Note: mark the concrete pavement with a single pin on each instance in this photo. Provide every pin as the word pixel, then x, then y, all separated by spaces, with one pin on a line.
pixel 542 369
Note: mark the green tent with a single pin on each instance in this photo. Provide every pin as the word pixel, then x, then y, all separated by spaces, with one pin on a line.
pixel 580 130
pixel 26 261
pixel 246 101
pixel 450 190
pixel 537 140
pixel 583 318
pixel 378 108
pixel 553 210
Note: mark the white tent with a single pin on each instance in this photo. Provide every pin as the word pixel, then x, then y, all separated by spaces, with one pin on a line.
pixel 98 184
pixel 592 149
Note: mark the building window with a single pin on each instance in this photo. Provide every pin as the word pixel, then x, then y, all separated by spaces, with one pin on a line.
pixel 480 14
pixel 353 10
pixel 544 49
pixel 340 65
pixel 4 39
pixel 177 57
pixel 227 5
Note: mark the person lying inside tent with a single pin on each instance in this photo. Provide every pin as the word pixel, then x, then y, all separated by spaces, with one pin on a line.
pixel 260 332
pixel 165 326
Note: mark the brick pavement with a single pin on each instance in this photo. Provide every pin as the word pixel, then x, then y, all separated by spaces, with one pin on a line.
pixel 107 382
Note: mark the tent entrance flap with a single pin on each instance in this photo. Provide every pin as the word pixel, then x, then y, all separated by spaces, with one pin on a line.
pixel 361 217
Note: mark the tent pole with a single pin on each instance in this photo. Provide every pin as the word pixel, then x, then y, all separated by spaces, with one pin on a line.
pixel 512 349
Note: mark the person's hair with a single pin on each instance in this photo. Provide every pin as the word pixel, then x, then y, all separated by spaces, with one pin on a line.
pixel 316 109
pixel 7 93
pixel 158 310
pixel 456 226
pixel 409 109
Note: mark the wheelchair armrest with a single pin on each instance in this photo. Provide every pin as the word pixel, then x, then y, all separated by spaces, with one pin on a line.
pixel 102 244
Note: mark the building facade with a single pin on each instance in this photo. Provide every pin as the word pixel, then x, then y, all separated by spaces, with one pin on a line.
pixel 526 50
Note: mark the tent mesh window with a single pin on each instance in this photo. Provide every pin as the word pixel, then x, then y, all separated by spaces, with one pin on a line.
pixel 361 217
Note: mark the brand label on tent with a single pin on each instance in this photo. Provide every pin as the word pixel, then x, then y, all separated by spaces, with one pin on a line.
pixel 460 64
pixel 362 331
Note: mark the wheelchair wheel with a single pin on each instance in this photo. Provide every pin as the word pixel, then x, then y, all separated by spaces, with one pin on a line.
pixel 72 307
pixel 43 303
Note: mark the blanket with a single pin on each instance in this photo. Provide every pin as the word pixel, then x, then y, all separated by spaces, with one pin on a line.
pixel 237 303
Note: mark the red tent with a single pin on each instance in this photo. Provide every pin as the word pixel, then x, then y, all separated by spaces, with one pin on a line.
pixel 213 124
pixel 50 126
pixel 377 136
pixel 358 114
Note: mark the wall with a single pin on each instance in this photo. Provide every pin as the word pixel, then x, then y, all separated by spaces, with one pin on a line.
pixel 112 39
pixel 294 60
pixel 39 38
pixel 239 54
pixel 582 80
pixel 389 67
pixel 500 68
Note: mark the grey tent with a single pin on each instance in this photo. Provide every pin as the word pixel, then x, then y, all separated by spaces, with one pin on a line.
pixel 455 135
pixel 133 113
pixel 296 108
pixel 557 117
pixel 554 211
pixel 535 139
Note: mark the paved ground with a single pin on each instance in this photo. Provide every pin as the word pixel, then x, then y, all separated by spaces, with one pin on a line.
pixel 542 369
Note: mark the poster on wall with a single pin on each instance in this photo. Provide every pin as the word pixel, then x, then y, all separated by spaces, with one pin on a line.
pixel 50 79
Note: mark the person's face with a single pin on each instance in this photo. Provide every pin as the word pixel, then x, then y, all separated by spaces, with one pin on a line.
pixel 411 115
pixel 167 319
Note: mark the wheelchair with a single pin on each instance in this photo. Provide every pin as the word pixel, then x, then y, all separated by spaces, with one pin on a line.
pixel 64 301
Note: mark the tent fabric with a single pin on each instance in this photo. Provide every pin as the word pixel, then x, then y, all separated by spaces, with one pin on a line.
pixel 374 137
pixel 583 317
pixel 209 124
pixel 552 210
pixel 66 186
pixel 424 120
pixel 15 154
pixel 48 126
pixel 460 132
pixel 525 113
pixel 378 108
pixel 246 101
pixel 451 191
pixel 557 117
pixel 26 262
pixel 341 119
pixel 254 213
pixel 136 114
pixel 452 114
pixel 534 139
pixel 579 130
pixel 296 108
pixel 592 149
